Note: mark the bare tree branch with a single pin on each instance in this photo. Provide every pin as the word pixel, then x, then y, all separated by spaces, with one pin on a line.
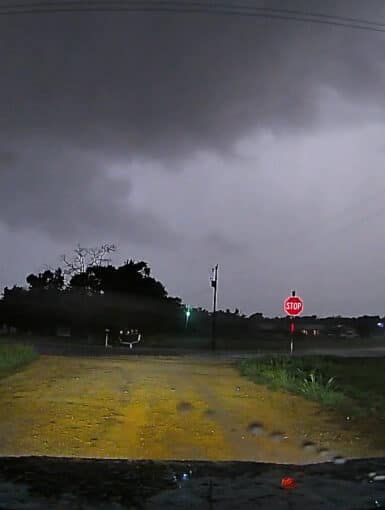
pixel 84 258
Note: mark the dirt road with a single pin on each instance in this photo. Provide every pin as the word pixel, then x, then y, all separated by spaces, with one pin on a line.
pixel 164 408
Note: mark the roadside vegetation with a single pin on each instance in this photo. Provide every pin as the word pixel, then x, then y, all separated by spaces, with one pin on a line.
pixel 352 384
pixel 13 357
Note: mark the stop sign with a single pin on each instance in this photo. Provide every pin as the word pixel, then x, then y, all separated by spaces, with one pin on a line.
pixel 293 305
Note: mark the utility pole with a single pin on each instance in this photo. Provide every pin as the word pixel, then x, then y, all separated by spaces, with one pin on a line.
pixel 214 285
pixel 187 314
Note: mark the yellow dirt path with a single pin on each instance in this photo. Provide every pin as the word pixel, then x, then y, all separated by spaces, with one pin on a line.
pixel 161 408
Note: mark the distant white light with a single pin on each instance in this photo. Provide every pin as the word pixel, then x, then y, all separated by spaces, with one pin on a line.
pixel 380 324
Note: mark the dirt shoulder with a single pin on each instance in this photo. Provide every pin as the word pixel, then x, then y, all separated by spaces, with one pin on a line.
pixel 165 408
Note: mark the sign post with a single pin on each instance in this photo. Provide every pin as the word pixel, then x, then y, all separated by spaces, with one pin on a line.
pixel 106 344
pixel 293 306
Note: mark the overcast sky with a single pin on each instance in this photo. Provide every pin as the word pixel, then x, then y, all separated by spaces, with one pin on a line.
pixel 189 140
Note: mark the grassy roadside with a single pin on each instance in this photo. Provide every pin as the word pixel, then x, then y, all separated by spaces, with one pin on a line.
pixel 13 357
pixel 352 384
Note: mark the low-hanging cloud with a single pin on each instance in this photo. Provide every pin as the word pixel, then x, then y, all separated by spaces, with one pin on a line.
pixel 68 195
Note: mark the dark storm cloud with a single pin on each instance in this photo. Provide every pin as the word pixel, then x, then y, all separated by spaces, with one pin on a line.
pixel 218 243
pixel 67 194
pixel 165 85
pixel 95 108
pixel 6 158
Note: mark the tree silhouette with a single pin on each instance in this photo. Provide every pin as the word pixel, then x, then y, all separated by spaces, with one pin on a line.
pixel 83 258
pixel 48 280
pixel 132 278
pixel 97 295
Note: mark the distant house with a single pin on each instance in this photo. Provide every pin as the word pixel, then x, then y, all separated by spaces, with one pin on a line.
pixel 267 326
pixel 348 333
pixel 312 328
pixel 262 327
pixel 7 330
pixel 63 331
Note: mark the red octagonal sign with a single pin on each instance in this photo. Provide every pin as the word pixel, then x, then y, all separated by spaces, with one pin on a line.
pixel 293 305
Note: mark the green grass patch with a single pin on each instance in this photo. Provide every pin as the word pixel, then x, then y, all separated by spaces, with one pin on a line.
pixel 354 384
pixel 12 357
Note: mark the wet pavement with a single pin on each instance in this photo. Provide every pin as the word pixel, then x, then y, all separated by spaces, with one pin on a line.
pixel 169 408
pixel 72 348
pixel 44 483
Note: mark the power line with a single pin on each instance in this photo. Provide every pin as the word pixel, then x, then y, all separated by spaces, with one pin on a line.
pixel 187 3
pixel 190 8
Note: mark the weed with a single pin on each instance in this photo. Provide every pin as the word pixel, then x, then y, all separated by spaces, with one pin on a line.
pixel 295 376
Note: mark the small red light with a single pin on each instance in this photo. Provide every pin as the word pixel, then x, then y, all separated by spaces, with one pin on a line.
pixel 288 483
pixel 292 327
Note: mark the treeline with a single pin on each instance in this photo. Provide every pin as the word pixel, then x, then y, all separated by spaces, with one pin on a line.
pixel 89 294
pixel 91 301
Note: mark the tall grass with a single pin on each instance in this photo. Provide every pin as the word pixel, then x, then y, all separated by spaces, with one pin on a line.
pixel 13 357
pixel 296 375
pixel 315 386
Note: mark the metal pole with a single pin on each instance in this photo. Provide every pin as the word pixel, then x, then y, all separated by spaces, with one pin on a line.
pixel 214 284
pixel 292 329
pixel 187 315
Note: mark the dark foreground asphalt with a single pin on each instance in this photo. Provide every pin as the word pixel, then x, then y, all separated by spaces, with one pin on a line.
pixel 37 483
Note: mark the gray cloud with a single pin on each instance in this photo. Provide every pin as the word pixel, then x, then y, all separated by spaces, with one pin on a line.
pixel 217 242
pixel 189 140
pixel 68 195
pixel 160 86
